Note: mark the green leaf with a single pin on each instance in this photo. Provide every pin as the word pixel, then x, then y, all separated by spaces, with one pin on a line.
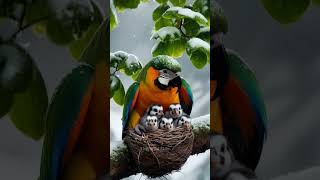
pixel 178 2
pixel 6 102
pixel 162 1
pixel 77 47
pixel 174 48
pixel 29 107
pixel 114 85
pixel 199 52
pixel 316 2
pixel 190 27
pixel 166 34
pixel 119 95
pixel 204 34
pixel 36 10
pixel 181 13
pixel 59 31
pixel 286 11
pixel 40 28
pixel 15 68
pixel 113 19
pixel 98 48
pixel 136 75
pixel 203 7
pixel 121 5
pixel 163 22
pixel 219 21
pixel 157 13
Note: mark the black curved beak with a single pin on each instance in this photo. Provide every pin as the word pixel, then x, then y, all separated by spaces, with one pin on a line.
pixel 176 82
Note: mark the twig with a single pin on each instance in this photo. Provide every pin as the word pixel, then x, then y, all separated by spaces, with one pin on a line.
pixel 22 28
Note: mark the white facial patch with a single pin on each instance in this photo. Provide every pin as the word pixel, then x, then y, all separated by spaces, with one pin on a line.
pixel 221 154
pixel 156 110
pixel 184 122
pixel 166 76
pixel 166 123
pixel 151 123
pixel 175 111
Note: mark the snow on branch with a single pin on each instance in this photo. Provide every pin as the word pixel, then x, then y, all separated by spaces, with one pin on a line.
pixel 122 165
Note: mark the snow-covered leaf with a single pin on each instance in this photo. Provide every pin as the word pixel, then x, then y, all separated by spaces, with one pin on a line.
pixel 199 52
pixel 162 1
pixel 166 34
pixel 202 6
pixel 132 65
pixel 181 13
pixel 204 34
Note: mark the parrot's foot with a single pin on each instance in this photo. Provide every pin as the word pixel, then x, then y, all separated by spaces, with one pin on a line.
pixel 139 128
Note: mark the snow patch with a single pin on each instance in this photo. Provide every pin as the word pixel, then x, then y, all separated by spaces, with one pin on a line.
pixel 196 43
pixel 165 33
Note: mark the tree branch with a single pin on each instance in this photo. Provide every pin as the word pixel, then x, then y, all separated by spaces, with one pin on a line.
pixel 122 164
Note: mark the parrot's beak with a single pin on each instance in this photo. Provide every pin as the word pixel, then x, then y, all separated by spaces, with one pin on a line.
pixel 176 82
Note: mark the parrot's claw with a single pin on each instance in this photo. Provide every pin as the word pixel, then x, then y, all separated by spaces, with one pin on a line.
pixel 139 128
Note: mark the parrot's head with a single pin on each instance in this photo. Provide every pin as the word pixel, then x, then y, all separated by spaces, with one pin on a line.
pixel 162 72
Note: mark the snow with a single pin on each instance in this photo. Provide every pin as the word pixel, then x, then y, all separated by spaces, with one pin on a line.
pixel 185 12
pixel 165 33
pixel 132 60
pixel 196 43
pixel 201 121
pixel 204 29
pixel 114 82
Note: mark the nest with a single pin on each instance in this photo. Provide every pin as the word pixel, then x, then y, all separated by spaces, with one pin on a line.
pixel 160 152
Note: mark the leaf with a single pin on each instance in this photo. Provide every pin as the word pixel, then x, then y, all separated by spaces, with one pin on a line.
pixel 286 11
pixel 166 34
pixel 59 31
pixel 178 2
pixel 198 59
pixel 36 10
pixel 119 95
pixel 203 7
pixel 316 2
pixel 219 21
pixel 114 85
pixel 181 13
pixel 163 22
pixel 6 102
pixel 98 48
pixel 190 27
pixel 199 52
pixel 157 13
pixel 77 47
pixel 113 19
pixel 136 75
pixel 29 107
pixel 174 48
pixel 121 5
pixel 204 34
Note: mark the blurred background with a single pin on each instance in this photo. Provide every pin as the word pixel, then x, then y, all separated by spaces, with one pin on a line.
pixel 133 36
pixel 286 60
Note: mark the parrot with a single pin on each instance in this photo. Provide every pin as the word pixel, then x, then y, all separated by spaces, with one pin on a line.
pixel 157 83
pixel 236 105
pixel 77 130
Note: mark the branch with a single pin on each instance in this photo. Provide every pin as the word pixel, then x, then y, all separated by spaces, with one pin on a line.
pixel 122 165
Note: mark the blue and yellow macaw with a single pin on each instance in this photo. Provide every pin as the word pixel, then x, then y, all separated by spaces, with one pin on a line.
pixel 237 107
pixel 158 83
pixel 77 129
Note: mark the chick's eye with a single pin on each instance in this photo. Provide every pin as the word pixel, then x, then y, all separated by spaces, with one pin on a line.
pixel 164 71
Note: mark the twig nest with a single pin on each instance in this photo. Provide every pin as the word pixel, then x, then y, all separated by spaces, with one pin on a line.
pixel 160 152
